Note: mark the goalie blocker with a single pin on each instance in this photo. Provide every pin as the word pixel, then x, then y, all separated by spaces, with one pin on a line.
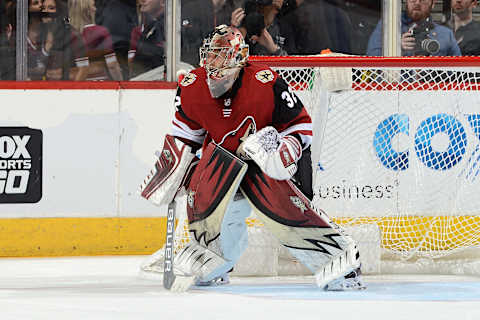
pixel 171 170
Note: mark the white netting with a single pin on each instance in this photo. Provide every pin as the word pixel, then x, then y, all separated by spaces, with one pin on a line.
pixel 400 149
pixel 396 158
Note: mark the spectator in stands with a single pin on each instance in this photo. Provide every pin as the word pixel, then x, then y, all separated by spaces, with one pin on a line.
pixel 199 18
pixel 103 64
pixel 417 25
pixel 364 16
pixel 466 30
pixel 319 25
pixel 148 40
pixel 7 49
pixel 37 55
pixel 67 58
pixel 100 5
pixel 120 17
pixel 262 29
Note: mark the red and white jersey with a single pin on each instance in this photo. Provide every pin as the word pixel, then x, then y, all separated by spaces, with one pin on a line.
pixel 99 48
pixel 259 98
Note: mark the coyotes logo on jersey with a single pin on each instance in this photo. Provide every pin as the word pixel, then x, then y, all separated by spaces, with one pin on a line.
pixel 264 76
pixel 188 79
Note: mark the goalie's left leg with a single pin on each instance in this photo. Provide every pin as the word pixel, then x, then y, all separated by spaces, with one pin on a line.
pixel 309 234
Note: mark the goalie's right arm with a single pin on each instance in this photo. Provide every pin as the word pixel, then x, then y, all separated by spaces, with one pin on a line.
pixel 172 168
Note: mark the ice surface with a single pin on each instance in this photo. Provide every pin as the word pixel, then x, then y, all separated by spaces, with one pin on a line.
pixel 111 288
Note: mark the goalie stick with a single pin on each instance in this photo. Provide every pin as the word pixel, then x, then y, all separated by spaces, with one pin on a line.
pixel 168 274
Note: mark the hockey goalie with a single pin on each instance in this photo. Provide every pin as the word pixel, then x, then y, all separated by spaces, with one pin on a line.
pixel 254 136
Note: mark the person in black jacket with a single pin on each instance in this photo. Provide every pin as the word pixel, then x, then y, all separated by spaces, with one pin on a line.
pixel 322 24
pixel 148 40
pixel 198 19
pixel 465 29
pixel 120 17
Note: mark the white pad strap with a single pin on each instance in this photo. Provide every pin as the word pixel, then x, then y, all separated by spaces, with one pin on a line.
pixel 339 266
pixel 193 262
pixel 276 156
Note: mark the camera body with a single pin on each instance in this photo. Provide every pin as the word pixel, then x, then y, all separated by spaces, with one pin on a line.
pixel 424 45
pixel 254 21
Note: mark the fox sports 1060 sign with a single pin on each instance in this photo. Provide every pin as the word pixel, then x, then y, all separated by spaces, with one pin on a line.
pixel 20 165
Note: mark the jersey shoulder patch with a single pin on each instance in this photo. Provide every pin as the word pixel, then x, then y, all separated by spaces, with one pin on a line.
pixel 264 76
pixel 188 79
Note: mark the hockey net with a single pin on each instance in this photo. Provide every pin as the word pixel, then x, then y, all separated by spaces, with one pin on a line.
pixel 396 159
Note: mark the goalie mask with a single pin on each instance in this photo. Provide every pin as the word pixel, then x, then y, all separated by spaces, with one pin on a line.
pixel 223 54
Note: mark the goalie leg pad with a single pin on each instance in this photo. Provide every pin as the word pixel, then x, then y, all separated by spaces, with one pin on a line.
pixel 342 272
pixel 211 191
pixel 308 233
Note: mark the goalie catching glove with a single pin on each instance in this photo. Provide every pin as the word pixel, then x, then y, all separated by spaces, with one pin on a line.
pixel 275 156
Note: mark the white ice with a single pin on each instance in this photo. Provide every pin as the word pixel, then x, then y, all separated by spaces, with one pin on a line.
pixel 111 288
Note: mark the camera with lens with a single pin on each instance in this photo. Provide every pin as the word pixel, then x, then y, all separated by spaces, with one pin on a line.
pixel 254 21
pixel 424 45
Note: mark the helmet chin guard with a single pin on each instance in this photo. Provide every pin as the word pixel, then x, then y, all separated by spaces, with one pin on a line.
pixel 223 54
pixel 218 86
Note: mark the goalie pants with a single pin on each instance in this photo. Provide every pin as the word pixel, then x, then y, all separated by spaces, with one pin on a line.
pixel 233 235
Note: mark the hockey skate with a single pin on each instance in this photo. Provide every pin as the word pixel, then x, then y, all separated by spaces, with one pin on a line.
pixel 218 281
pixel 349 282
pixel 342 273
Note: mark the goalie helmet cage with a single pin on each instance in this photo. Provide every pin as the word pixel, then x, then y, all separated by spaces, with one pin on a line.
pixel 396 158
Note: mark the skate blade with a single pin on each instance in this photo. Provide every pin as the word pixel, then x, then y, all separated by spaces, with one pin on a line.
pixel 346 284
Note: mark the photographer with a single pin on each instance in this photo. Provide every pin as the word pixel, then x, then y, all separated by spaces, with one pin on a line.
pixel 262 30
pixel 420 35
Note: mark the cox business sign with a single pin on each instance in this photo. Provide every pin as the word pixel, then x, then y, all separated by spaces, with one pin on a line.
pixel 419 161
pixel 440 142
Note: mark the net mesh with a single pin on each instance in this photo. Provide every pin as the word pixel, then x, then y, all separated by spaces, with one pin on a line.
pixel 399 148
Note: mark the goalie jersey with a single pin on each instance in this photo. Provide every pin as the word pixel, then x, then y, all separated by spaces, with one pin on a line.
pixel 258 98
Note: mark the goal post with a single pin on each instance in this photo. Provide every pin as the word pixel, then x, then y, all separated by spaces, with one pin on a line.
pixel 396 161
